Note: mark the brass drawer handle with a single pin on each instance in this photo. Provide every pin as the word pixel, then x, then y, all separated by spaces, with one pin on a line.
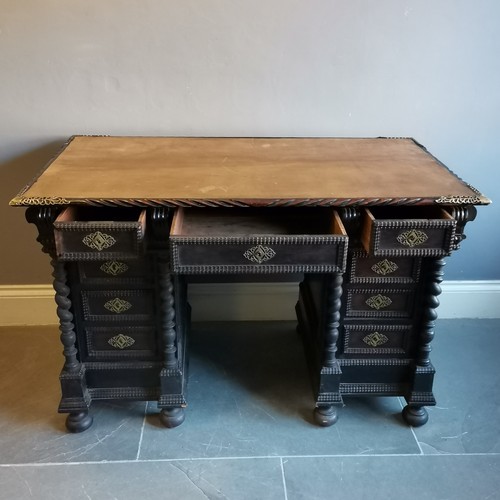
pixel 259 254
pixel 117 305
pixel 412 238
pixel 378 301
pixel 375 339
pixel 99 241
pixel 114 267
pixel 121 341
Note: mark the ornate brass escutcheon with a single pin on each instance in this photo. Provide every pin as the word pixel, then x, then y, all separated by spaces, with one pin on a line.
pixel 259 254
pixel 375 339
pixel 378 301
pixel 121 341
pixel 114 267
pixel 99 241
pixel 117 305
pixel 384 267
pixel 412 238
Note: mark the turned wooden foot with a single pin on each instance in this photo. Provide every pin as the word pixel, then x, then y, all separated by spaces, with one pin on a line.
pixel 172 417
pixel 415 415
pixel 78 422
pixel 325 415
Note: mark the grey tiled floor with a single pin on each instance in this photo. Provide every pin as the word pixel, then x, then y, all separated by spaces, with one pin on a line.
pixel 248 432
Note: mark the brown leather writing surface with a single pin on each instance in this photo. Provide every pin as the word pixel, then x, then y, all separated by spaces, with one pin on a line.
pixel 245 171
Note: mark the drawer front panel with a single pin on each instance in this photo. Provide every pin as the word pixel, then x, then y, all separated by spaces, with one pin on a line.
pixel 118 305
pixel 259 254
pixel 121 343
pixel 382 302
pixel 114 238
pixel 366 269
pixel 376 340
pixel 113 271
pixel 413 237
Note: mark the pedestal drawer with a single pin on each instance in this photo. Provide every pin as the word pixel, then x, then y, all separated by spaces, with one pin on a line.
pixel 88 233
pixel 121 342
pixel 376 340
pixel 114 271
pixel 368 269
pixel 249 241
pixel 118 305
pixel 381 302
pixel 408 231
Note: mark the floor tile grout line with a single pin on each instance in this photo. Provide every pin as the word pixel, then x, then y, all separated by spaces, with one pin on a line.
pixel 258 457
pixel 285 491
pixel 412 430
pixel 142 432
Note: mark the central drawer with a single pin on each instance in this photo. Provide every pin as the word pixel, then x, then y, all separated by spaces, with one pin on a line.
pixel 257 240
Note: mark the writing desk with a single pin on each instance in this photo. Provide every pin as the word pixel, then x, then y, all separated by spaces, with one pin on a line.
pixel 127 221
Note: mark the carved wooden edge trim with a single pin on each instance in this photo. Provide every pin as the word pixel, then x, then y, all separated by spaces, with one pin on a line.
pixel 254 269
pixel 361 254
pixel 101 256
pixel 123 365
pixel 141 393
pixel 354 388
pixel 376 362
pixel 231 203
pixel 308 239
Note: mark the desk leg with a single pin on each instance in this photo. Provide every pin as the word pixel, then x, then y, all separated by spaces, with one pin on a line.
pixel 174 322
pixel 318 312
pixel 420 394
pixel 75 396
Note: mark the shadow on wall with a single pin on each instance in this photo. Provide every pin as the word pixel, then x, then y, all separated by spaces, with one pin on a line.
pixel 23 261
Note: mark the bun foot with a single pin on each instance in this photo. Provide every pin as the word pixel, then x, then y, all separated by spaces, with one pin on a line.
pixel 325 416
pixel 78 422
pixel 415 415
pixel 172 417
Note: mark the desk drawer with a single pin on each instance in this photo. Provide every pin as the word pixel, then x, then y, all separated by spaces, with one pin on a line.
pixel 90 233
pixel 376 340
pixel 262 240
pixel 121 342
pixel 118 305
pixel 368 269
pixel 383 302
pixel 408 231
pixel 114 271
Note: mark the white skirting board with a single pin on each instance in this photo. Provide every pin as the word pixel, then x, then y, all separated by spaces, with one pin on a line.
pixel 34 304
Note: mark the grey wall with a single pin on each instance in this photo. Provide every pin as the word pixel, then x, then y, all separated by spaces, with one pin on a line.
pixel 422 68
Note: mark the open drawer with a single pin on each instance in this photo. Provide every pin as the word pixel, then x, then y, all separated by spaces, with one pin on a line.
pixel 257 240
pixel 408 231
pixel 99 233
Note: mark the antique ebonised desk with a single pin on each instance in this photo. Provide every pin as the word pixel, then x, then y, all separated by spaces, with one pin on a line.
pixel 128 220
